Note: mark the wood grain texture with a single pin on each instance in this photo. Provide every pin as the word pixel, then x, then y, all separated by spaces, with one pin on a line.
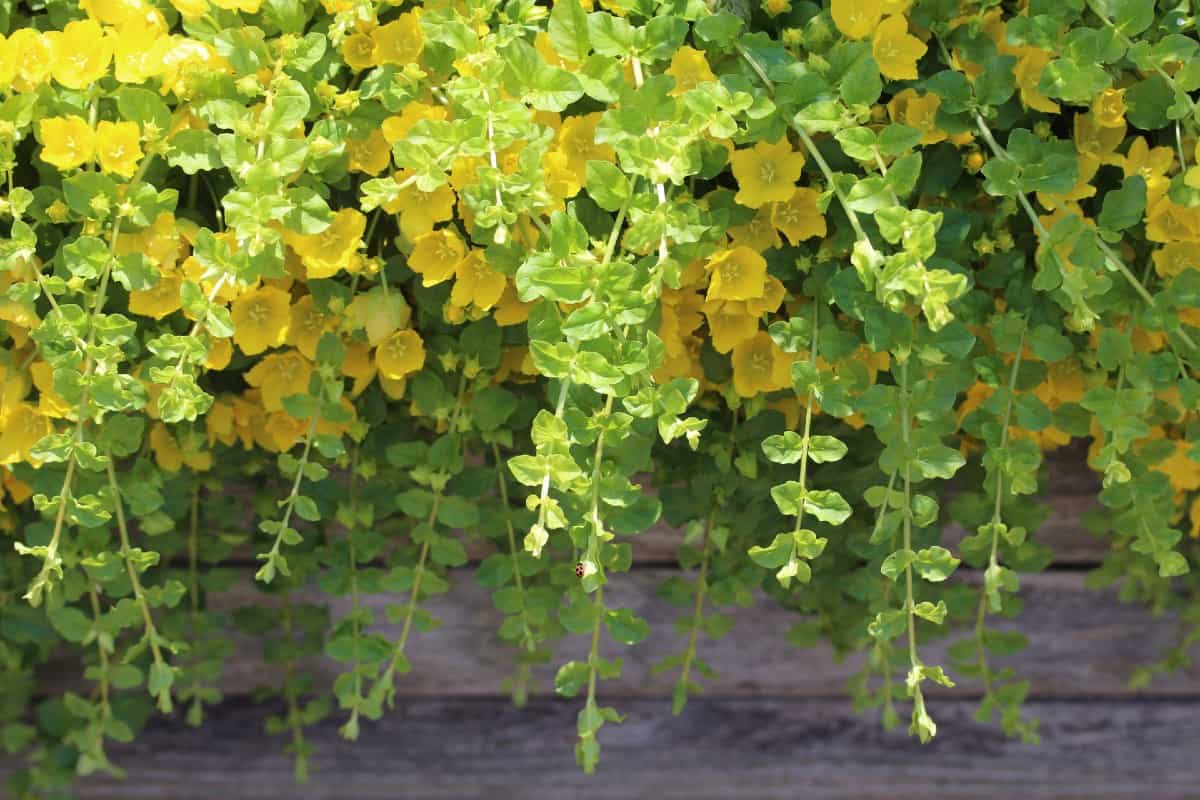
pixel 721 748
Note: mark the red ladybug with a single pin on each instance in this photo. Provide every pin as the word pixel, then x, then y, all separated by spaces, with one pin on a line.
pixel 579 570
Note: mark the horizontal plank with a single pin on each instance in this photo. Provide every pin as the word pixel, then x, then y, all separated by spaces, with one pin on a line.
pixel 1061 532
pixel 428 749
pixel 1080 641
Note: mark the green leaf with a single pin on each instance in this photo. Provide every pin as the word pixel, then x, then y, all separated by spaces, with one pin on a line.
pixel 825 449
pixel 607 185
pixel 783 448
pixel 289 106
pixel 775 554
pixel 571 677
pixel 143 106
pixel 827 505
pixel 1123 208
pixel 568 30
pixel 624 627
pixel 71 623
pixel 896 563
pixel 935 564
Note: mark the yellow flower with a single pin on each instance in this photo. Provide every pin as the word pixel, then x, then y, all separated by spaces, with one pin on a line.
pixel 400 42
pixel 544 46
pixel 1183 471
pixel 766 173
pixel 477 283
pixel 772 298
pixel 799 218
pixel 759 233
pixel 759 366
pixel 397 127
pixel 166 452
pixel 435 256
pixel 33 56
pixel 140 48
pixel 1173 258
pixel 1152 163
pixel 326 253
pixel 400 355
pixel 378 312
pixel 509 308
pixel 191 9
pixel 1168 222
pixel 67 142
pixel 8 63
pixel 117 145
pixel 1094 141
pixel 371 155
pixel 1109 108
pixel 577 141
pixel 159 300
pixel 358 51
pixel 280 375
pixel 23 428
pixel 561 181
pixel 737 274
pixel 689 68
pixel 261 318
pixel 856 18
pixel 419 211
pixel 220 352
pixel 113 12
pixel 776 7
pixel 729 324
pixel 81 53
pixel 1028 72
pixel 896 52
pixel 50 403
pixel 307 325
pixel 917 111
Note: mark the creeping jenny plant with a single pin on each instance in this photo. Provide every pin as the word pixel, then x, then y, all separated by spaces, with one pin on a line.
pixel 368 292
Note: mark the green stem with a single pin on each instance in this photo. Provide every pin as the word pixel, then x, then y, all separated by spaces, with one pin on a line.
pixel 139 595
pixel 697 610
pixel 985 670
pixel 267 573
pixel 388 677
pixel 528 641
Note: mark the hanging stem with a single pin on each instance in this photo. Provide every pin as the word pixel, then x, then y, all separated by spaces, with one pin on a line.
pixel 528 640
pixel 697 615
pixel 386 680
pixel 993 562
pixel 139 595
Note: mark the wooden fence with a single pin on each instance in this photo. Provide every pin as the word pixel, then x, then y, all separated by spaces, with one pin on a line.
pixel 776 723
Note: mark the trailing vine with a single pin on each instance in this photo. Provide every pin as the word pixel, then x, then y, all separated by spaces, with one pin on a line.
pixel 327 283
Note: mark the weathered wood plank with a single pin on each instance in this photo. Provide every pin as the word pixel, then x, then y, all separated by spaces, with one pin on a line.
pixel 720 748
pixel 1080 641
pixel 1061 532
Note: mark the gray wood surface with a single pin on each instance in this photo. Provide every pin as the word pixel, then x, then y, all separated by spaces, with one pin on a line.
pixel 774 724
pixel 1080 640
pixel 720 748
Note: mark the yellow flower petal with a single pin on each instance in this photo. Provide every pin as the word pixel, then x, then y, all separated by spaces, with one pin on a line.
pixel 856 18
pixel 896 52
pixel 737 274
pixel 400 355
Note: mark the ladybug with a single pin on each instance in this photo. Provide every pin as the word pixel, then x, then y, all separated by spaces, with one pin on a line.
pixel 579 570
